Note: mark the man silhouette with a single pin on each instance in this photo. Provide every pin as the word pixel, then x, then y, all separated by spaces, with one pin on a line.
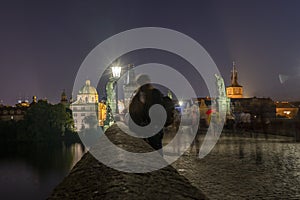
pixel 139 107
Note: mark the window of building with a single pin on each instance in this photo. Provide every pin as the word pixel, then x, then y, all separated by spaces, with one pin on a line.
pixel 287 112
pixel 82 114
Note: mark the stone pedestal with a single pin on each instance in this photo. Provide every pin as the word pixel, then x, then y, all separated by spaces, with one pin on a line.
pixel 223 104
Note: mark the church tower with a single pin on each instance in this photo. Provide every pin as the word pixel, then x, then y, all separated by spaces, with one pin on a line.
pixel 234 90
pixel 130 85
pixel 64 99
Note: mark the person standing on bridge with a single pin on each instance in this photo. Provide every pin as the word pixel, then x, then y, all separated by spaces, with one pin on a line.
pixel 145 97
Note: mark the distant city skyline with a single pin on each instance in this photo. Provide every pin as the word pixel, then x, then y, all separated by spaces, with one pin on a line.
pixel 44 43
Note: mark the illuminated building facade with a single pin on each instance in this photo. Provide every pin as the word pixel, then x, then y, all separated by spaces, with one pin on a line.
pixel 86 109
pixel 286 109
pixel 102 113
pixel 12 113
pixel 260 107
pixel 16 112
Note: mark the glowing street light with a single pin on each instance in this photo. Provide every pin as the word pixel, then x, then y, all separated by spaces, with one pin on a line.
pixel 180 103
pixel 116 71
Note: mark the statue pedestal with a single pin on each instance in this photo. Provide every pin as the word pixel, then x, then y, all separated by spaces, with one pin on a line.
pixel 223 104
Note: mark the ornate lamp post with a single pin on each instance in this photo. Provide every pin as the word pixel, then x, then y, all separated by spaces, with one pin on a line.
pixel 116 73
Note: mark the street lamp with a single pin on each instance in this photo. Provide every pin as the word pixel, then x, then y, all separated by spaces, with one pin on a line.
pixel 116 72
pixel 180 103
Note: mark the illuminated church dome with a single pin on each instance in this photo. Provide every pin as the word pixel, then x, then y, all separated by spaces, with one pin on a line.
pixel 87 88
pixel 85 105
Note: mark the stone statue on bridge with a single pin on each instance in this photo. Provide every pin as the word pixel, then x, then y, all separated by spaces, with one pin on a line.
pixel 220 86
pixel 222 99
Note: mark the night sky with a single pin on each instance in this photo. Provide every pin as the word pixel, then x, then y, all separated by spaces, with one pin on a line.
pixel 42 44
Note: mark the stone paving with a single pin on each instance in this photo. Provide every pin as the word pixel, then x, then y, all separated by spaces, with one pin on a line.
pixel 91 179
pixel 241 167
pixel 238 167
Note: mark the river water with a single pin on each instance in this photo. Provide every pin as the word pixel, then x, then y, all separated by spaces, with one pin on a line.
pixel 32 170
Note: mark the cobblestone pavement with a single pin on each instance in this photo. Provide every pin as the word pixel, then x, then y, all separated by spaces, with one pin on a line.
pixel 91 179
pixel 241 167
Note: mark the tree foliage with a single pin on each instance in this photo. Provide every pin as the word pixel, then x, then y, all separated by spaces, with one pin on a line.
pixel 42 121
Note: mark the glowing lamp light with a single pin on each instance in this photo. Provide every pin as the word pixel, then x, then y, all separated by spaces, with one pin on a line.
pixel 116 71
pixel 287 112
pixel 180 103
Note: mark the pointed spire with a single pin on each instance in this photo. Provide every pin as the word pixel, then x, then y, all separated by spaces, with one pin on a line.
pixel 233 66
pixel 63 96
pixel 234 76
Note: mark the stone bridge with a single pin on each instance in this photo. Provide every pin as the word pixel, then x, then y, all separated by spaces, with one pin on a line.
pixel 90 179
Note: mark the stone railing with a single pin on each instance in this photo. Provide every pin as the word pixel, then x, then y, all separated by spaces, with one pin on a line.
pixel 90 179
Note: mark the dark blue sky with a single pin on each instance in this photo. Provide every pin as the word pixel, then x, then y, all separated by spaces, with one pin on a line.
pixel 42 44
